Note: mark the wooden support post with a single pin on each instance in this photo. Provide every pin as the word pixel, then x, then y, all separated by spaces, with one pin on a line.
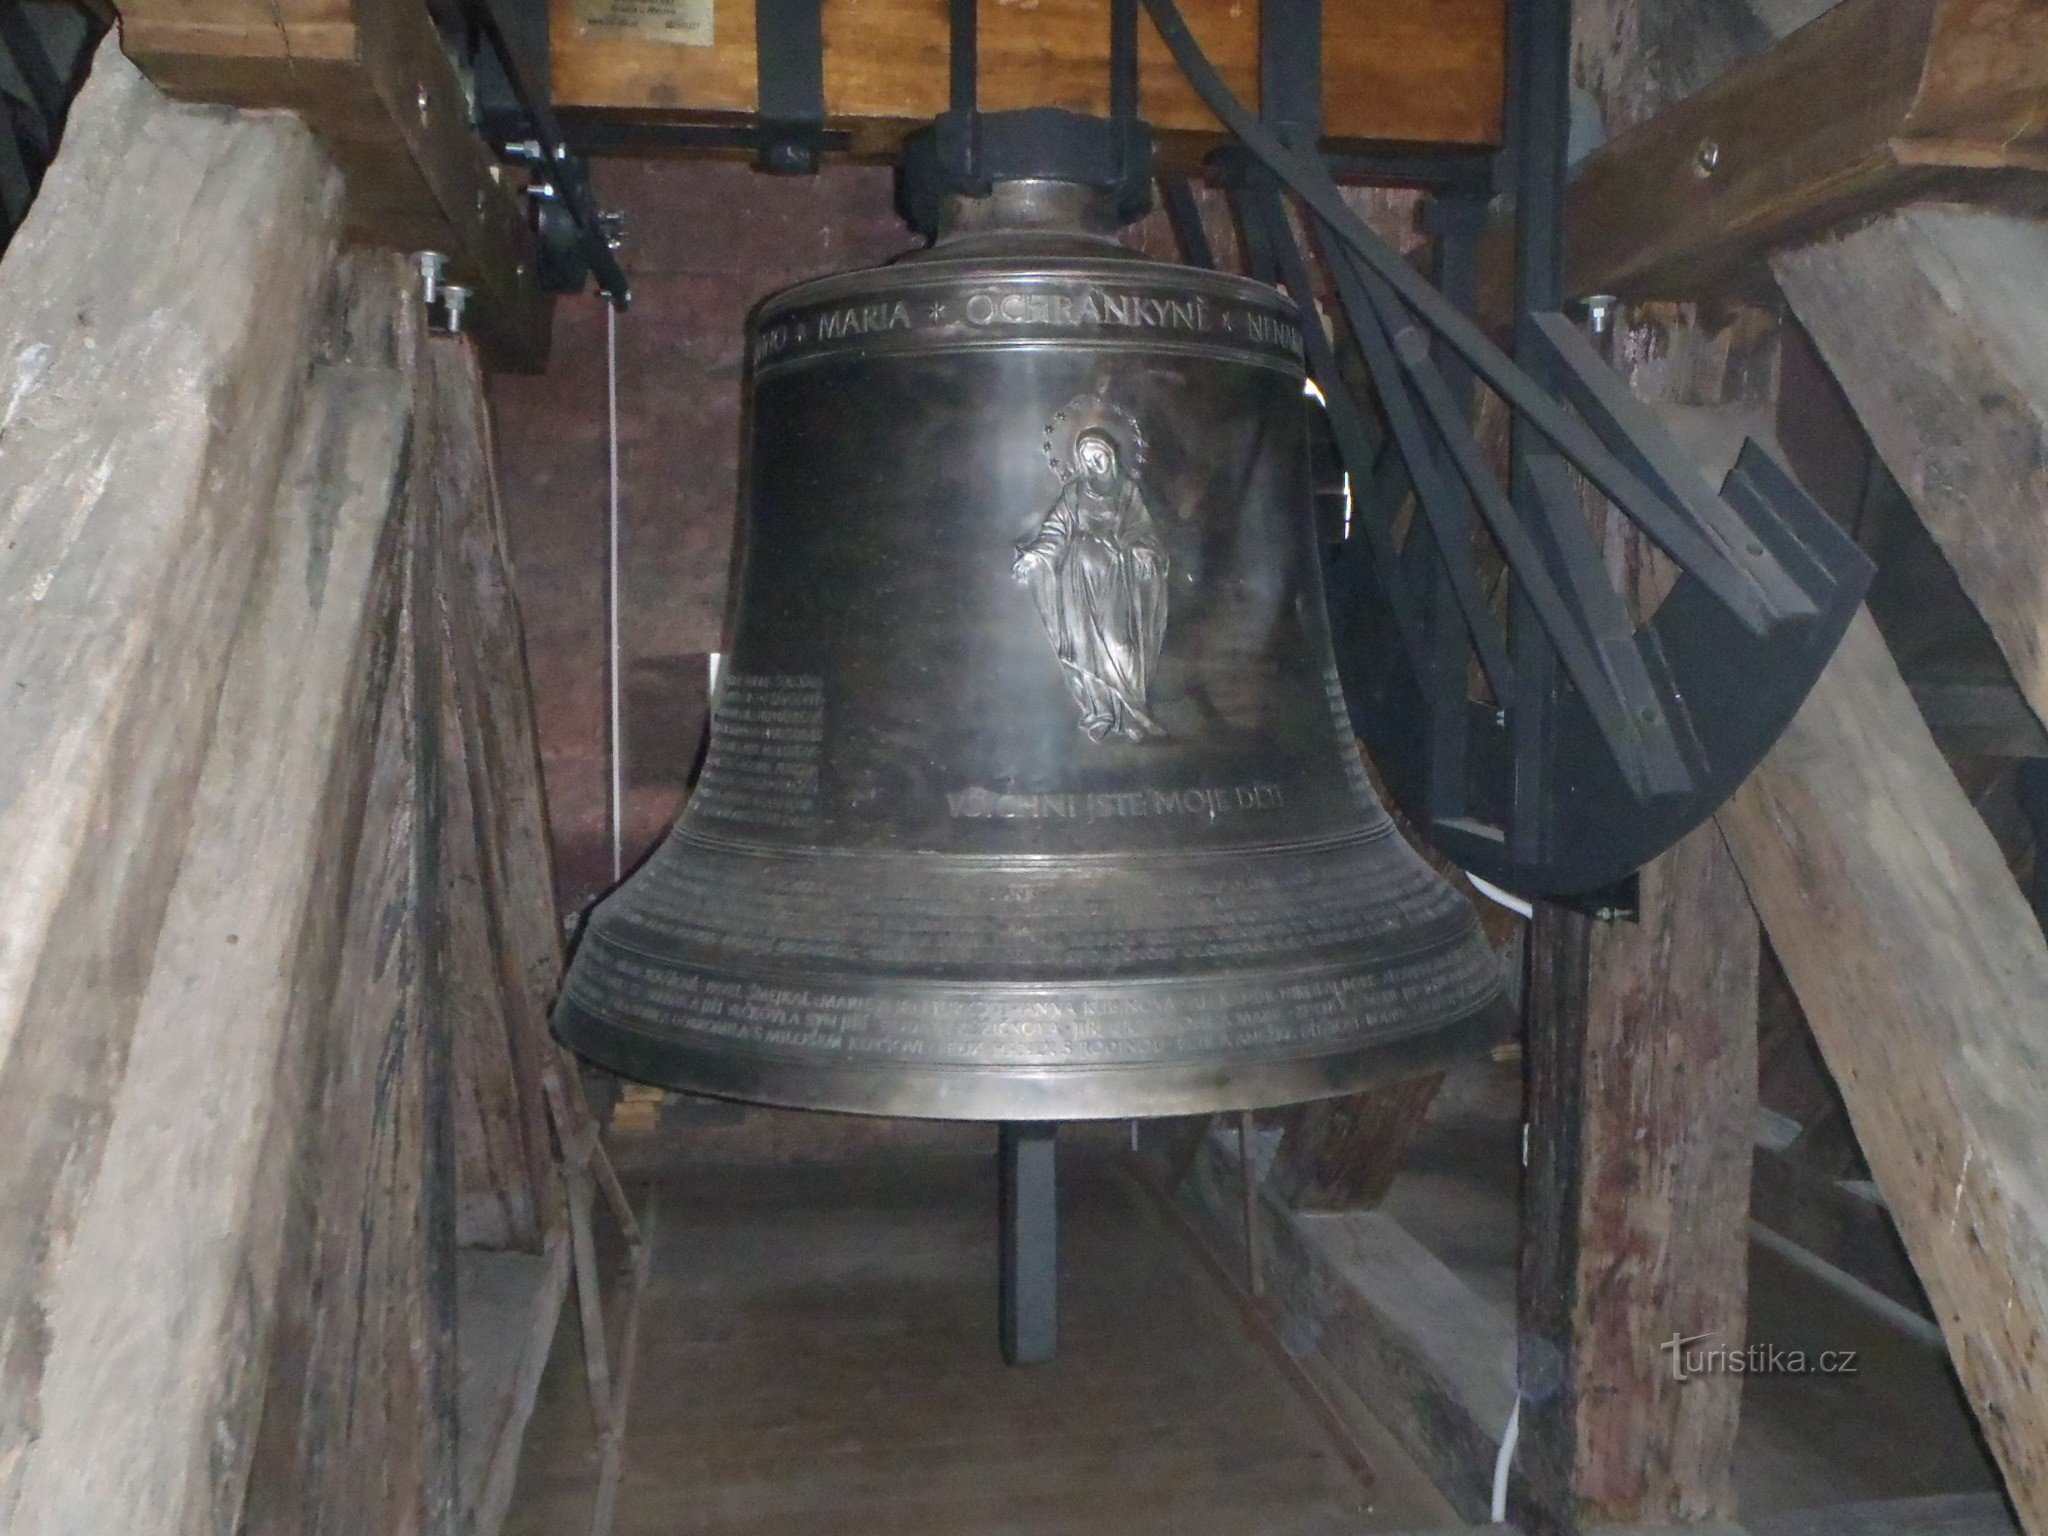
pixel 1923 973
pixel 503 955
pixel 368 1274
pixel 253 665
pixel 1642 1102
pixel 1642 1093
pixel 151 1006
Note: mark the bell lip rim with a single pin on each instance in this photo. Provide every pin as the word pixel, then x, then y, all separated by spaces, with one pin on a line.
pixel 996 1093
pixel 943 272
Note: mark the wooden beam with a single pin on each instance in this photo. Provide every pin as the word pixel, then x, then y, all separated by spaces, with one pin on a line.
pixel 1418 71
pixel 1642 1073
pixel 499 968
pixel 374 82
pixel 1943 1514
pixel 1342 1154
pixel 149 991
pixel 1988 719
pixel 1856 841
pixel 508 1307
pixel 359 1425
pixel 1875 102
pixel 1932 322
pixel 1383 1316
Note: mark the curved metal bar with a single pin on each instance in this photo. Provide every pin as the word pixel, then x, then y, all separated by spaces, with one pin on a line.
pixel 1751 585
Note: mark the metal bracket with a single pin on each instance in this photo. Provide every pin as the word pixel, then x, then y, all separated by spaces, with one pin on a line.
pixel 574 243
pixel 1291 70
pixel 789 50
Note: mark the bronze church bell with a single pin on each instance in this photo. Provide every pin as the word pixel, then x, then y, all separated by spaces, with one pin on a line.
pixel 1030 792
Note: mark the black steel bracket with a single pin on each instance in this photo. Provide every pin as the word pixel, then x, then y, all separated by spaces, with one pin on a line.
pixel 789 49
pixel 516 111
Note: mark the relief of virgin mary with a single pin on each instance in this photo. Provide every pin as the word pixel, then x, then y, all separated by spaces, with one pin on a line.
pixel 1096 568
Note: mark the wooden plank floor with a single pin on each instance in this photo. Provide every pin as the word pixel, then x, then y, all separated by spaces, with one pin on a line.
pixel 817 1353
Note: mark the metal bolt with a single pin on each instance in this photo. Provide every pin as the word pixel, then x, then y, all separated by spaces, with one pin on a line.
pixel 1707 159
pixel 433 267
pixel 526 151
pixel 454 296
pixel 420 101
pixel 612 223
pixel 1600 312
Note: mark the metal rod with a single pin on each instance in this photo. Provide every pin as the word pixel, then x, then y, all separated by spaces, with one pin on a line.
pixel 563 169
pixel 1631 738
pixel 1433 491
pixel 1123 61
pixel 615 720
pixel 1254 1269
pixel 1754 588
pixel 1184 213
pixel 1458 221
pixel 962 57
pixel 1538 187
pixel 1269 242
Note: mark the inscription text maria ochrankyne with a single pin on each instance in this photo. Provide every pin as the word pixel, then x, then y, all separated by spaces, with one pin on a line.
pixel 1029 308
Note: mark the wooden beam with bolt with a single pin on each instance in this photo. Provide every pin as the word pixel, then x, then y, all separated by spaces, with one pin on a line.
pixel 374 82
pixel 1874 103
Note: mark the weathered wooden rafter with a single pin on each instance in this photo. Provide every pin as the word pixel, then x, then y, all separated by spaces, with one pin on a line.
pixel 373 81
pixel 151 412
pixel 1875 102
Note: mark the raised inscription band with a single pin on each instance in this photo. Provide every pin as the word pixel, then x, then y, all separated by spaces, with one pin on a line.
pixel 1064 1053
pixel 1242 323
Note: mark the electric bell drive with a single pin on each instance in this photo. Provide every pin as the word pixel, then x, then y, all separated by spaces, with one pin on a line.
pixel 1030 792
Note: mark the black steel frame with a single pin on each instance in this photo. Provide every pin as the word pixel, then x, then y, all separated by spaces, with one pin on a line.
pixel 1595 742
pixel 506 53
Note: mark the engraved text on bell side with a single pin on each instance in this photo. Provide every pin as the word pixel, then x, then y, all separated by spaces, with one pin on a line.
pixel 767 740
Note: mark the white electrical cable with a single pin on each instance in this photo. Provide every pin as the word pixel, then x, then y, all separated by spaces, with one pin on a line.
pixel 615 743
pixel 1499 897
pixel 1504 1461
